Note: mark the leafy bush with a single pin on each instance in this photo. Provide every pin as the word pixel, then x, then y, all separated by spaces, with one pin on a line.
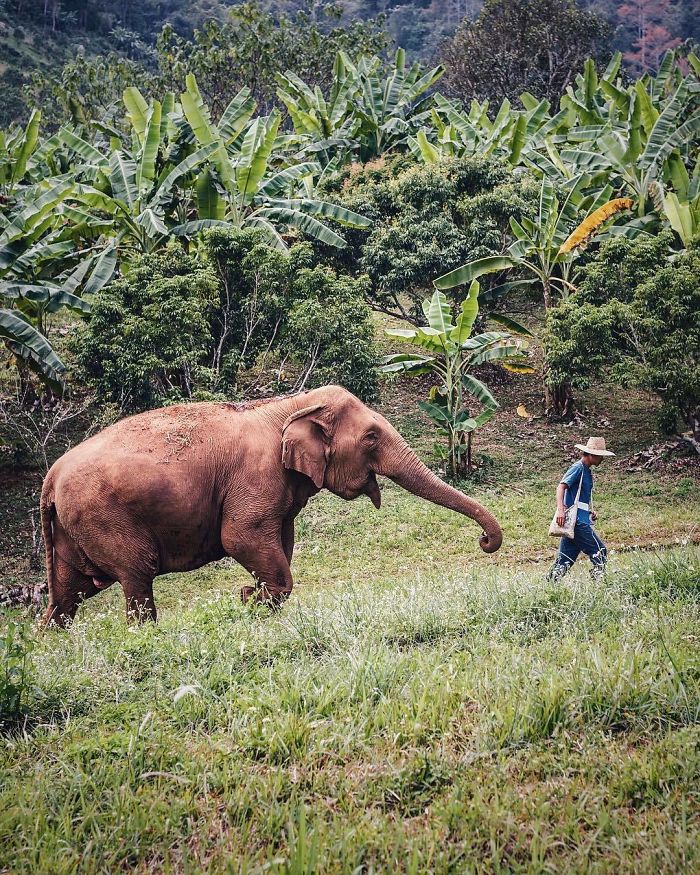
pixel 149 339
pixel 176 328
pixel 16 645
pixel 329 333
pixel 428 220
pixel 316 318
pixel 253 281
pixel 636 314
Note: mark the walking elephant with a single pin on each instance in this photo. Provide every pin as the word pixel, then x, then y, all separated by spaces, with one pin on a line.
pixel 175 488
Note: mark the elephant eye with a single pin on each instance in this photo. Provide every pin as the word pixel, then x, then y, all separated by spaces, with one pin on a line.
pixel 370 438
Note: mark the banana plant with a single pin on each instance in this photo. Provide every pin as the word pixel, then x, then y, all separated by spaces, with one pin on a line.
pixel 240 188
pixel 42 271
pixel 136 195
pixel 545 247
pixel 16 148
pixel 323 127
pixel 544 250
pixel 451 352
pixel 389 108
pixel 460 134
pixel 683 216
pixel 640 136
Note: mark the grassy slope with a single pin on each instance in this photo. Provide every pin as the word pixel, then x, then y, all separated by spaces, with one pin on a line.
pixel 31 49
pixel 416 706
pixel 477 721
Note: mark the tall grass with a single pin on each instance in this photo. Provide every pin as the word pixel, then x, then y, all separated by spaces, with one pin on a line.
pixel 473 723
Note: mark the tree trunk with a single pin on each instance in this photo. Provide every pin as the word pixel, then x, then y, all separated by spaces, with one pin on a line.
pixel 559 402
pixel 694 422
pixel 27 392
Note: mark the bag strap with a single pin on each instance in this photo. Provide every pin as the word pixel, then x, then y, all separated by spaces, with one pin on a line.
pixel 580 484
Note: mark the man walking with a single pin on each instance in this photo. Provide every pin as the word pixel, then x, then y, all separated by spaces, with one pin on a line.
pixel 578 480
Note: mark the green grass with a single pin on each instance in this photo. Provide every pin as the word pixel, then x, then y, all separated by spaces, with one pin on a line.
pixel 416 706
pixel 481 721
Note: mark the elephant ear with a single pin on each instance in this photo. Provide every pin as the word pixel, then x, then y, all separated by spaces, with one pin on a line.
pixel 306 443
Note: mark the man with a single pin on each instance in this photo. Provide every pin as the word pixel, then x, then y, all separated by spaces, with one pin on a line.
pixel 585 537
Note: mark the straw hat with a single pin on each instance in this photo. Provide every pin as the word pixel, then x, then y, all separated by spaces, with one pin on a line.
pixel 595 447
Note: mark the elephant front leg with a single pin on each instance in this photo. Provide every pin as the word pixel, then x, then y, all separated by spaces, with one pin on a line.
pixel 263 555
pixel 288 538
pixel 273 578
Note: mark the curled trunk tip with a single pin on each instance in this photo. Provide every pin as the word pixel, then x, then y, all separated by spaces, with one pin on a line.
pixel 491 543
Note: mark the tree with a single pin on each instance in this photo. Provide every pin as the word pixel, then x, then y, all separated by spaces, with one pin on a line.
pixel 149 340
pixel 329 333
pixel 522 45
pixel 427 219
pixel 176 327
pixel 635 315
pixel 647 21
pixel 452 354
pixel 241 190
pixel 87 90
pixel 253 45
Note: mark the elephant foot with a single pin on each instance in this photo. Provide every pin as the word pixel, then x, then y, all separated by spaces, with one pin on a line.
pixel 247 592
pixel 261 595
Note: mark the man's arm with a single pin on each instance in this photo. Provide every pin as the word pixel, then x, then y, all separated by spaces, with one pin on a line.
pixel 561 510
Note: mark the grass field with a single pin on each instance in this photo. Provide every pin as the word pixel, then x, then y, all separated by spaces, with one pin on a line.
pixel 481 721
pixel 416 706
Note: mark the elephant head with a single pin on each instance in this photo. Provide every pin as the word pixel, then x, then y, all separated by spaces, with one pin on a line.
pixel 342 445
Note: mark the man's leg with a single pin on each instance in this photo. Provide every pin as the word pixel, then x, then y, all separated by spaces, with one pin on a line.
pixel 566 556
pixel 595 549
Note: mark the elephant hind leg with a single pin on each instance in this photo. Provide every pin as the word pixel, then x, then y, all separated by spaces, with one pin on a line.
pixel 69 588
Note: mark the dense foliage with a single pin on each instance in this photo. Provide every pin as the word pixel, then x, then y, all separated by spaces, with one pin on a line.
pixel 424 190
pixel 149 340
pixel 179 328
pixel 637 315
pixel 427 219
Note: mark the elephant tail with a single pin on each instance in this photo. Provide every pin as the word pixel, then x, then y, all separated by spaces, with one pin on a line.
pixel 46 511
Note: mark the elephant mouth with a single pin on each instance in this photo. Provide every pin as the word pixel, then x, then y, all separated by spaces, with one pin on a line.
pixel 372 490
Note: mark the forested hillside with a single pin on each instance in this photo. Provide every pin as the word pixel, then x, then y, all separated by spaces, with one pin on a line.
pixel 38 37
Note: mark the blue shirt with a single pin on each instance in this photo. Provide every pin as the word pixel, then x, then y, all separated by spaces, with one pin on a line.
pixel 572 478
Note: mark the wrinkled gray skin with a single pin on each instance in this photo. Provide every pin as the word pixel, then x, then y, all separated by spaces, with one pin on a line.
pixel 176 488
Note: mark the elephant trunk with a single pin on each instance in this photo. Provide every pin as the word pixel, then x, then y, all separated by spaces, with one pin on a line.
pixel 403 466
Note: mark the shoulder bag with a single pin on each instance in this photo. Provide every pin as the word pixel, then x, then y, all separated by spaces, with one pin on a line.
pixel 567 530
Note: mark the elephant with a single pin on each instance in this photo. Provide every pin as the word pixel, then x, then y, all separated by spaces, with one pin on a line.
pixel 175 488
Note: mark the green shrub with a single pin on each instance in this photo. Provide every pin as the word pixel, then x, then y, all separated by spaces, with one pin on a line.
pixel 253 289
pixel 16 645
pixel 176 328
pixel 149 339
pixel 427 221
pixel 636 315
pixel 329 332
pixel 317 318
